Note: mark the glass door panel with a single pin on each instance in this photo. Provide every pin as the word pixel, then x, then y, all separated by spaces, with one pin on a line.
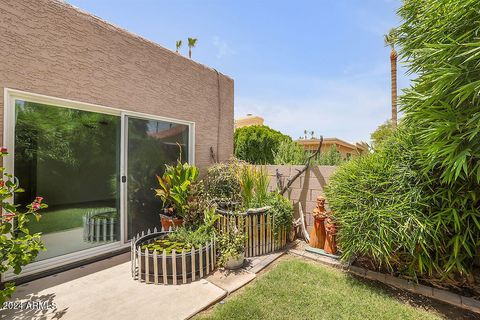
pixel 71 158
pixel 150 145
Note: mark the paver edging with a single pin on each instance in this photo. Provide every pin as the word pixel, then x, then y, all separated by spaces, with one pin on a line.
pixel 431 292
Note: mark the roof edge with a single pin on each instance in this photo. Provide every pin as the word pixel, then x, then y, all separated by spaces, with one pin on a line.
pixel 112 26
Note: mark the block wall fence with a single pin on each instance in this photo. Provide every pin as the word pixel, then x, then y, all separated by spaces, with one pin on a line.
pixel 305 189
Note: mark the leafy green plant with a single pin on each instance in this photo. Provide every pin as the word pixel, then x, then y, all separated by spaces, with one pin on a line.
pixel 331 157
pixel 440 43
pixel 282 211
pixel 197 235
pixel 247 183
pixel 167 245
pixel 231 243
pixel 175 185
pixel 379 203
pixel 254 182
pixel 197 202
pixel 18 247
pixel 222 181
pixel 382 133
pixel 261 183
pixel 257 144
pixel 289 152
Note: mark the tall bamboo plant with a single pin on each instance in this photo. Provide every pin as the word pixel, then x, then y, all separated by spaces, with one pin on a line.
pixel 440 43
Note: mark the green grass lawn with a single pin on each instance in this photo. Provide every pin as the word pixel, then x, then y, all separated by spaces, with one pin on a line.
pixel 296 289
pixel 60 219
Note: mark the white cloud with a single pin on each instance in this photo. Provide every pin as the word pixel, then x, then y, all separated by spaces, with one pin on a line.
pixel 348 108
pixel 223 49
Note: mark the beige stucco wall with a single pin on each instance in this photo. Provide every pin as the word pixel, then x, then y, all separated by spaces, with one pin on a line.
pixel 50 48
pixel 305 189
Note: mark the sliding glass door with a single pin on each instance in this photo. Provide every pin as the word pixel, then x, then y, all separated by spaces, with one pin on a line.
pixel 151 144
pixel 71 158
pixel 94 166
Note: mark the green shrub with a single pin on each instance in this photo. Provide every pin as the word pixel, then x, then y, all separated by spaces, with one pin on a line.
pixel 197 235
pixel 197 202
pixel 415 203
pixel 379 202
pixel 222 182
pixel 289 152
pixel 257 144
pixel 282 211
pixel 382 133
pixel 440 43
pixel 331 157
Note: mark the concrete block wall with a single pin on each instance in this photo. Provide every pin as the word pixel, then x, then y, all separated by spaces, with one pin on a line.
pixel 306 188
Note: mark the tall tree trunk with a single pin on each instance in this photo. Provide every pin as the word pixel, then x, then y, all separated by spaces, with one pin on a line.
pixel 190 53
pixel 393 65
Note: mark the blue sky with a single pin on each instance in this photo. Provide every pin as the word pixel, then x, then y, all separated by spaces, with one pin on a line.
pixel 317 65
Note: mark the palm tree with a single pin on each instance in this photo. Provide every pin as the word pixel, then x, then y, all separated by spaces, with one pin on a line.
pixel 390 40
pixel 192 42
pixel 178 44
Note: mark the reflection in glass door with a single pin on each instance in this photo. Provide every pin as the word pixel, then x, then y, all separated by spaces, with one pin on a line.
pixel 71 158
pixel 150 144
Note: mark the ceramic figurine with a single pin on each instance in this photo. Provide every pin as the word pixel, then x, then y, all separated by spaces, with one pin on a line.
pixel 318 235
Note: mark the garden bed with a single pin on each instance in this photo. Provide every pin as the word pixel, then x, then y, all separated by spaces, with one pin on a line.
pixel 167 265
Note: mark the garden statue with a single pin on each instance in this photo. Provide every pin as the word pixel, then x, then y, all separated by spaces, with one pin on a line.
pixel 331 230
pixel 317 235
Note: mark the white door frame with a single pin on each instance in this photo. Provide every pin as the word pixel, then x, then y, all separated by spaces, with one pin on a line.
pixel 10 96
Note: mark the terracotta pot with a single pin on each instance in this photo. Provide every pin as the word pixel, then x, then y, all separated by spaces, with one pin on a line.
pixel 168 222
pixel 330 241
pixel 317 235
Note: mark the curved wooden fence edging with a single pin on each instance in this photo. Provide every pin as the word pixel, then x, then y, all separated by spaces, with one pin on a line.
pixel 258 225
pixel 99 229
pixel 170 268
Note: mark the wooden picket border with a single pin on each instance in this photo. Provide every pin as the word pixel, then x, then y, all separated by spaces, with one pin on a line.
pixel 175 268
pixel 99 230
pixel 258 226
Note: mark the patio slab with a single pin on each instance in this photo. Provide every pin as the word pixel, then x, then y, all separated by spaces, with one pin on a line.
pixel 111 293
pixel 258 263
pixel 231 280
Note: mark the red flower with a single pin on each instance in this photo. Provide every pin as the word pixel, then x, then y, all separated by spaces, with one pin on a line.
pixel 38 199
pixel 35 206
pixel 2 183
pixel 3 150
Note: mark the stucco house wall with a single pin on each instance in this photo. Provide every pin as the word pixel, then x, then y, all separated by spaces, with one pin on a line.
pixel 51 48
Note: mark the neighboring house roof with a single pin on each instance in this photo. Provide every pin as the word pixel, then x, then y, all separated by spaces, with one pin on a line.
pixel 358 146
pixel 249 120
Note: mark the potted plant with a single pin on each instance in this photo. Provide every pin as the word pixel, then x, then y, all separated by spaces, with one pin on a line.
pixel 174 191
pixel 231 244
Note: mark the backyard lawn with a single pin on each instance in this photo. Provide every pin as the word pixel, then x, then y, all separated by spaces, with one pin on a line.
pixel 296 289
pixel 61 219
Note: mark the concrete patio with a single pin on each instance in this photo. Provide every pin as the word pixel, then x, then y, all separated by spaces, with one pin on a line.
pixel 106 290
